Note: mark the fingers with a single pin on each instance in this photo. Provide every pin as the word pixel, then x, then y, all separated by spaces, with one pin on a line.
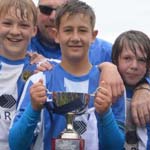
pixel 140 107
pixel 38 95
pixel 105 87
pixel 42 66
pixel 135 115
pixel 117 90
pixel 103 98
pixel 140 114
pixel 110 74
pixel 35 58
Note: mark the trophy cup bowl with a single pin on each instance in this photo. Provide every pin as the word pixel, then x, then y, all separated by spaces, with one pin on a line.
pixel 69 104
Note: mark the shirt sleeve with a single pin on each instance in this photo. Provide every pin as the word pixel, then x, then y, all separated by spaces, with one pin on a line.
pixel 21 132
pixel 110 135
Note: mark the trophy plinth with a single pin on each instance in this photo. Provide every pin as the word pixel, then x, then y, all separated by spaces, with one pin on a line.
pixel 70 104
pixel 67 144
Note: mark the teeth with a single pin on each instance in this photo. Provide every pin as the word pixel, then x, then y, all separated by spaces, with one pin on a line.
pixel 14 40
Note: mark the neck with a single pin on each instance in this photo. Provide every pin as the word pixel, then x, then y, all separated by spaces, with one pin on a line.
pixel 76 68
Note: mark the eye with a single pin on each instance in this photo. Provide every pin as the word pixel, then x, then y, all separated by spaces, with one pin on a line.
pixel 127 58
pixel 6 23
pixel 141 60
pixel 83 30
pixel 24 25
pixel 67 30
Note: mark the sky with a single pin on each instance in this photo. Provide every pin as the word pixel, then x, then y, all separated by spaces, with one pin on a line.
pixel 116 16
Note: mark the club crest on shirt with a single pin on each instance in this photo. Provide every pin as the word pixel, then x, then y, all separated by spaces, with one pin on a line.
pixel 26 75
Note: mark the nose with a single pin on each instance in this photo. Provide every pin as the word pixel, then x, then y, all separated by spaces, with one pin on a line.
pixel 14 30
pixel 75 36
pixel 134 64
pixel 52 15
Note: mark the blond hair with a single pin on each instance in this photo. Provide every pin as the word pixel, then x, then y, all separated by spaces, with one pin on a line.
pixel 27 9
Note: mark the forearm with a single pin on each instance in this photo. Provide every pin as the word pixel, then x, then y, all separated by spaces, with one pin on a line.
pixel 107 64
pixel 22 132
pixel 110 74
pixel 110 135
pixel 140 104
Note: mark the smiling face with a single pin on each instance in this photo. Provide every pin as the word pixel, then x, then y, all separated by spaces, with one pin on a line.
pixel 15 34
pixel 46 21
pixel 131 66
pixel 75 35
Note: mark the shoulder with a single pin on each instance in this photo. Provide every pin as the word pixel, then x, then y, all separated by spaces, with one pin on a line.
pixel 101 44
pixel 35 77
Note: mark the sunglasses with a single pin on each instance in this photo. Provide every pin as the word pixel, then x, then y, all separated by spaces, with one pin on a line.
pixel 46 10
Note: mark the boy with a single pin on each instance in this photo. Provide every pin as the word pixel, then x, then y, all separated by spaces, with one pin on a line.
pixel 75 22
pixel 99 52
pixel 131 53
pixel 17 26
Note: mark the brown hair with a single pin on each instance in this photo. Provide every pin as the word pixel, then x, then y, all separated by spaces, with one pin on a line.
pixel 73 7
pixel 131 38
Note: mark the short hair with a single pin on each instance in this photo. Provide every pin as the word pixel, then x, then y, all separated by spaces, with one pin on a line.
pixel 73 7
pixel 26 7
pixel 132 38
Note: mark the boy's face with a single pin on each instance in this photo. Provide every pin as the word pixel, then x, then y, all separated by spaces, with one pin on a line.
pixel 15 35
pixel 132 67
pixel 75 36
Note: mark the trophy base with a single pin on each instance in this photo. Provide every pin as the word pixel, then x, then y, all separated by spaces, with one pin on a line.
pixel 67 144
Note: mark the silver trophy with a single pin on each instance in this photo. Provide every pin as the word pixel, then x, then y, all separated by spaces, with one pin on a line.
pixel 69 104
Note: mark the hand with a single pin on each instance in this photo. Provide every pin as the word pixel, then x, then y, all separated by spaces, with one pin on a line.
pixel 140 106
pixel 41 61
pixel 42 66
pixel 38 95
pixel 35 57
pixel 110 74
pixel 103 98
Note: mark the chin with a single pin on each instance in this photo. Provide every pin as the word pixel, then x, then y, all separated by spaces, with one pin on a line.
pixel 131 83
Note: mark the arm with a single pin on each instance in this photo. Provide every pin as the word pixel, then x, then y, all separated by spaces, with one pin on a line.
pixel 108 127
pixel 110 74
pixel 22 132
pixel 140 105
pixel 28 116
pixel 110 135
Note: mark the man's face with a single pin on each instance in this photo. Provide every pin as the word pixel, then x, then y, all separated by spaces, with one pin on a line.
pixel 132 67
pixel 46 18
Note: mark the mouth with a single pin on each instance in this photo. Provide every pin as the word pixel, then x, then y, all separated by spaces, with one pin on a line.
pixel 132 75
pixel 49 26
pixel 75 46
pixel 14 39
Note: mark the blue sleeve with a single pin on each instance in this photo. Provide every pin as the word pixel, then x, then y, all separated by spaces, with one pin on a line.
pixel 22 132
pixel 147 78
pixel 111 137
pixel 100 51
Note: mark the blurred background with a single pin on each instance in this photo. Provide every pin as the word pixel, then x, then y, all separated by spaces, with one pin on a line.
pixel 116 16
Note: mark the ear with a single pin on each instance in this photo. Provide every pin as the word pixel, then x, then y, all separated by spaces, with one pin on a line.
pixel 34 31
pixel 94 34
pixel 55 35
